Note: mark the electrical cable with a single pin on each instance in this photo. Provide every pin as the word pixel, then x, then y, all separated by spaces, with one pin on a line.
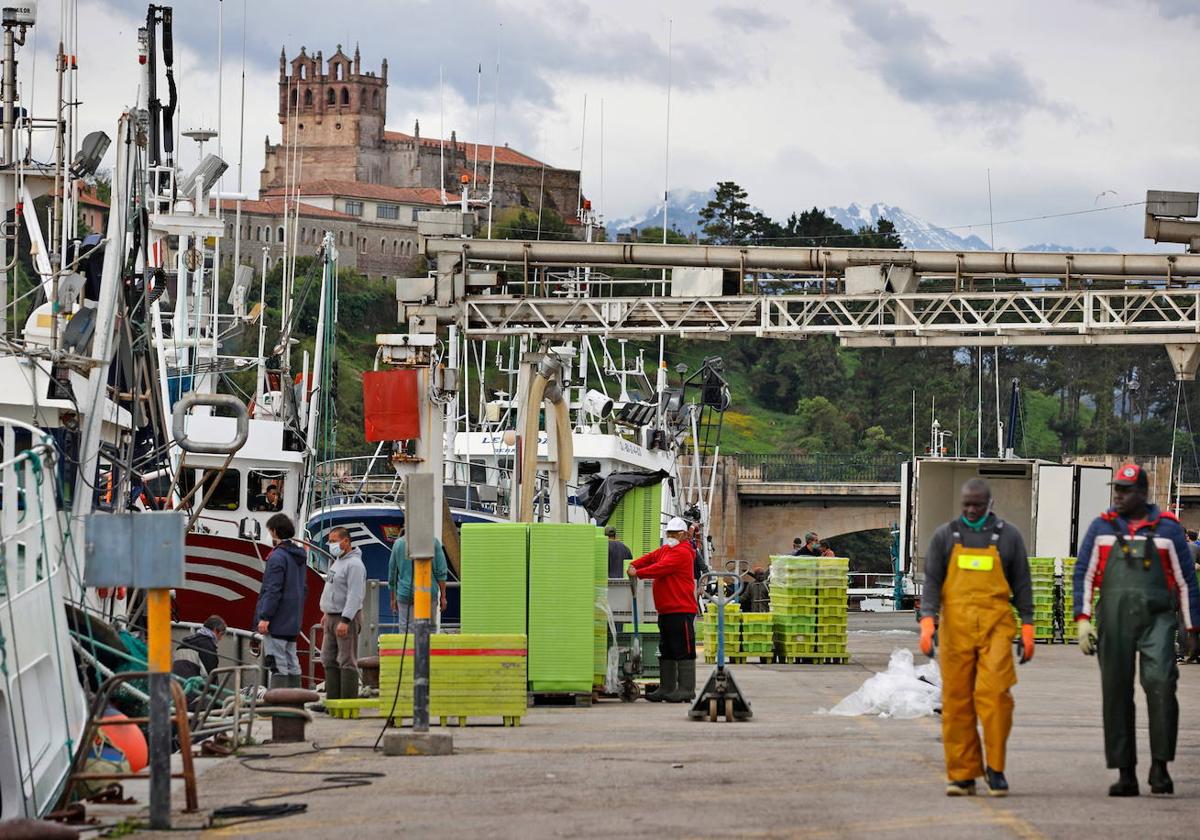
pixel 399 679
pixel 251 811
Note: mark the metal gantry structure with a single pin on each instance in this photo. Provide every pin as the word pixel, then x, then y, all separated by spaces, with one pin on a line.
pixel 864 297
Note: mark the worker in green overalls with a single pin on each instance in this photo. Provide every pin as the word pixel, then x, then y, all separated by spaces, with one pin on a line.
pixel 1136 556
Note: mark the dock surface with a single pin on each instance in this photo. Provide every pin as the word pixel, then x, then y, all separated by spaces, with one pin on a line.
pixel 645 770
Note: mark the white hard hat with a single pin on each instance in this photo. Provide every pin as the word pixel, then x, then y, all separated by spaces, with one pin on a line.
pixel 677 524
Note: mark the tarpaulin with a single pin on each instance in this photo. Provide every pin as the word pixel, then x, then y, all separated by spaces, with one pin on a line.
pixel 390 407
pixel 600 496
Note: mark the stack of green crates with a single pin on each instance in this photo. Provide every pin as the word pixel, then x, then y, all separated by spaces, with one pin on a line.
pixel 600 613
pixel 494 577
pixel 470 676
pixel 1041 570
pixel 562 587
pixel 757 637
pixel 1068 571
pixel 809 605
pixel 733 634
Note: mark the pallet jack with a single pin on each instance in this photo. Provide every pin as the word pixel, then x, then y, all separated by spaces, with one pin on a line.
pixel 720 695
pixel 631 667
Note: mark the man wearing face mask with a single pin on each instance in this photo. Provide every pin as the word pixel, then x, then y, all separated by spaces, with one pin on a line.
pixel 341 602
pixel 670 567
pixel 280 607
pixel 1137 557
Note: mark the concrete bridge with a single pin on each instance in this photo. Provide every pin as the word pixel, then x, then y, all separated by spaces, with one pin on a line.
pixel 763 501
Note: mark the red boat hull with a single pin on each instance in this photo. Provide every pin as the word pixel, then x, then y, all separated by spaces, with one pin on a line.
pixel 224 575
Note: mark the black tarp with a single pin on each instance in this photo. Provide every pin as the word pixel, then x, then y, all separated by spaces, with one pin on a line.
pixel 599 496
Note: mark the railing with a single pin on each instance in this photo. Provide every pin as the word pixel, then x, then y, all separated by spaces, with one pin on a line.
pixel 829 468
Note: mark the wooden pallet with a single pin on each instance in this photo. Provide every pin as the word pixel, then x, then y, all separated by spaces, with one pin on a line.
pixel 814 660
pixel 374 707
pixel 560 698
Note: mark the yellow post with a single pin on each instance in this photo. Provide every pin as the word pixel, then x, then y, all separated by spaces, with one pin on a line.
pixel 158 630
pixel 422 588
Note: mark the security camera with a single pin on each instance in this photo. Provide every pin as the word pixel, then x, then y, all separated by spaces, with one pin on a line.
pixel 597 405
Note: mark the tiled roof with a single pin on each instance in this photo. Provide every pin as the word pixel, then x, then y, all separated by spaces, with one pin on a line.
pixel 360 189
pixel 503 153
pixel 89 198
pixel 274 207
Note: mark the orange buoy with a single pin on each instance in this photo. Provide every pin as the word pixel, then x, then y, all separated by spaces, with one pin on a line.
pixel 127 738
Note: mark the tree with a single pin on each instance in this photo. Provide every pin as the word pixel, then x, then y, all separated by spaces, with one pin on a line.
pixel 825 427
pixel 728 217
pixel 654 236
pixel 523 224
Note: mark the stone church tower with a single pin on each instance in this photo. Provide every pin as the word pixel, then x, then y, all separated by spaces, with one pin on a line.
pixel 335 113
pixel 332 116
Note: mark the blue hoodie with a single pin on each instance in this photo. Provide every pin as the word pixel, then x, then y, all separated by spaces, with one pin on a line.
pixel 281 600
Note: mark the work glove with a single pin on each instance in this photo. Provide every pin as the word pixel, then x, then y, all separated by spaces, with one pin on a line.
pixel 1026 643
pixel 1087 637
pixel 927 629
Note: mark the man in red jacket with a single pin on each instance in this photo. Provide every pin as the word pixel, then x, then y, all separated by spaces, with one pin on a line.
pixel 670 567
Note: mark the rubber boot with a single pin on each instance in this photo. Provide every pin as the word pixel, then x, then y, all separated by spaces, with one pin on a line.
pixel 333 683
pixel 1160 779
pixel 295 681
pixel 667 671
pixel 349 683
pixel 685 686
pixel 1126 785
pixel 277 681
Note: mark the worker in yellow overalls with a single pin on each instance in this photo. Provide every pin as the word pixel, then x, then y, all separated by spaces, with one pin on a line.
pixel 976 567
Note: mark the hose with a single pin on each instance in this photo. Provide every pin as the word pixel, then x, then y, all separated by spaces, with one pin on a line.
pixel 529 435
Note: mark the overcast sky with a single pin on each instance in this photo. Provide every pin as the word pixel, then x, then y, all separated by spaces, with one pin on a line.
pixel 1073 105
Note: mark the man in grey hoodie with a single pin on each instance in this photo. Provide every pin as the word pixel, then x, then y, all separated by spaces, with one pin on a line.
pixel 341 602
pixel 281 602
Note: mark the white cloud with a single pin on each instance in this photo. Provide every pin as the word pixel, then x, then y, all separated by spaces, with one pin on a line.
pixel 803 104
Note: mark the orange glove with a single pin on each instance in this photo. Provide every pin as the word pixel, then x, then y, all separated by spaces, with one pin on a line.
pixel 1026 643
pixel 927 628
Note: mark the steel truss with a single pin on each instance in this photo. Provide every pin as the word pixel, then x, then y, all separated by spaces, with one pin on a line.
pixel 1122 316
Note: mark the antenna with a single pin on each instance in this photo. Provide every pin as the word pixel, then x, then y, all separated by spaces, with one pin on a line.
pixel 662 342
pixel 475 163
pixel 991 221
pixel 582 144
pixel 600 209
pixel 442 133
pixel 495 108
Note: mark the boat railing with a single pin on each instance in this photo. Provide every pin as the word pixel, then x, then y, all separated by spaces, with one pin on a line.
pixel 29 526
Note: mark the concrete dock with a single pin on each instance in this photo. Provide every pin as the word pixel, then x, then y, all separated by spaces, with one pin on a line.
pixel 645 770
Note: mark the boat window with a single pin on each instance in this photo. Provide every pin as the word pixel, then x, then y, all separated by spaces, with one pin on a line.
pixel 265 490
pixel 227 494
pixel 478 472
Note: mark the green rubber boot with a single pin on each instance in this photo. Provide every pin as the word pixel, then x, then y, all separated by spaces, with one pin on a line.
pixel 667 670
pixel 333 683
pixel 685 687
pixel 349 683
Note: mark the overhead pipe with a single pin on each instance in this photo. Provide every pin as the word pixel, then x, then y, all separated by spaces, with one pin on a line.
pixel 818 260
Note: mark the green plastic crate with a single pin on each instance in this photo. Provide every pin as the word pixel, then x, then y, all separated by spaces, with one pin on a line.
pixel 494 572
pixel 561 602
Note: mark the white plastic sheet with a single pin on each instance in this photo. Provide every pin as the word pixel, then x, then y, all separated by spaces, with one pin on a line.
pixel 903 691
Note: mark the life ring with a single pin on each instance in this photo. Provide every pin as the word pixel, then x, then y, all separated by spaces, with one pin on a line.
pixel 126 737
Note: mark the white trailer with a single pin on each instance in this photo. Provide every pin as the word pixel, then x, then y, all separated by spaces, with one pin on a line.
pixel 1050 504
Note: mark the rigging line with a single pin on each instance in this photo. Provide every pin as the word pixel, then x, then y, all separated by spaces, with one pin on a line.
pixel 1191 434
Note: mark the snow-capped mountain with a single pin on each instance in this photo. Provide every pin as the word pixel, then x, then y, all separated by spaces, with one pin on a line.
pixel 917 234
pixel 683 214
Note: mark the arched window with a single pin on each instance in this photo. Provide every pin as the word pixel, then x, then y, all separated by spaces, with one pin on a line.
pixel 258 233
pixel 375 100
pixel 267 264
pixel 337 71
pixel 330 97
pixel 294 92
pixel 303 71
pixel 345 96
pixel 267 234
pixel 382 246
pixel 340 241
pixel 280 237
pixel 308 97
pixel 395 247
